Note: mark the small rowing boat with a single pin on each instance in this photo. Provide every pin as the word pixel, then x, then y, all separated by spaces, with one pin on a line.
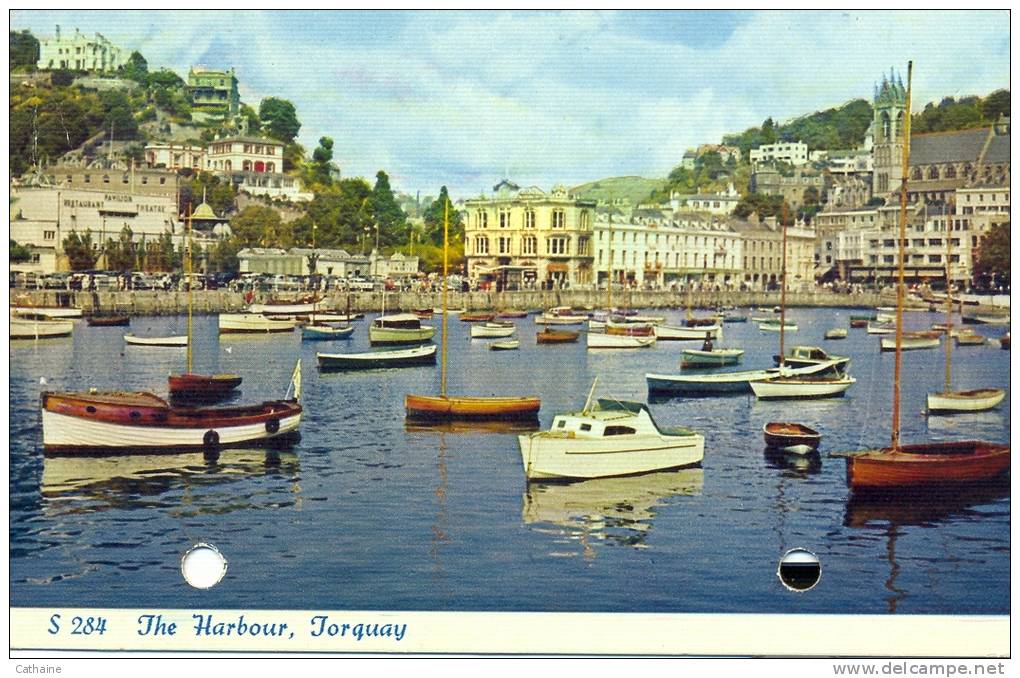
pixel 505 345
pixel 368 360
pixel 547 336
pixel 715 358
pixel 108 321
pixel 169 342
pixel 792 437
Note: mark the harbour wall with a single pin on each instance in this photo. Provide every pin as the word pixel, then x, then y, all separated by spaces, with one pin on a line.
pixel 149 302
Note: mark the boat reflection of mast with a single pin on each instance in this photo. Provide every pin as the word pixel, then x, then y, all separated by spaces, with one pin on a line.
pixel 440 538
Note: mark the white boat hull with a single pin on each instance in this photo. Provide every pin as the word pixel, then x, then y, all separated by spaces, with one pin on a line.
pixel 170 342
pixel 286 309
pixel 253 323
pixel 959 402
pixel 551 457
pixel 889 343
pixel 61 430
pixel 596 340
pixel 55 312
pixel 674 333
pixel 40 329
pixel 801 388
pixel 483 331
pixel 777 327
pixel 561 320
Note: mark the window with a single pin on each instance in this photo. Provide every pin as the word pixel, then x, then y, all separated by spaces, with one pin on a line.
pixel 481 245
pixel 145 180
pixel 888 258
pixel 585 220
pixel 483 219
pixel 106 178
pixel 504 218
pixel 934 258
pixel 558 218
pixel 618 431
pixel 935 242
pixel 582 246
pixel 585 427
pixel 529 245
pixel 557 245
pixel 504 245
pixel 529 218
pixel 162 180
pixel 49 235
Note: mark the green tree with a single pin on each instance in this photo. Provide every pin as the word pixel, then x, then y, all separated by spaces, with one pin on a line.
pixel 279 119
pixel 764 205
pixel 320 170
pixel 434 220
pixel 342 214
pixel 293 156
pixel 223 257
pixel 996 104
pixel 80 250
pixel 121 254
pixel 24 49
pixel 992 258
pixel 118 113
pixel 219 193
pixel 249 114
pixel 19 253
pixel 136 68
pixel 166 79
pixel 260 226
pixel 768 132
pixel 387 213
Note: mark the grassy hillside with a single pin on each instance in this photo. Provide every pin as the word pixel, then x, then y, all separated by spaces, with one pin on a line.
pixel 635 189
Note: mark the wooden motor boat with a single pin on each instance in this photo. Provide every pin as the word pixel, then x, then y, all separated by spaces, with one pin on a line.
pixel 949 463
pixel 254 323
pixel 605 340
pixel 547 336
pixel 912 341
pixel 334 317
pixel 969 339
pixel 801 387
pixel 507 315
pixel 134 422
pixel 405 357
pixel 714 358
pixel 674 333
pixel 977 400
pixel 614 438
pixel 866 317
pixel 167 342
pixel 492 330
pixel 202 386
pixel 793 437
pixel 806 356
pixel 324 332
pixel 477 317
pixel 857 323
pixel 24 328
pixel 836 333
pixel 423 313
pixel 1004 342
pixel 701 322
pixel 403 328
pixel 108 320
pixel 305 306
pixel 507 345
pixel 881 329
pixel 483 408
pixel 775 326
pixel 51 312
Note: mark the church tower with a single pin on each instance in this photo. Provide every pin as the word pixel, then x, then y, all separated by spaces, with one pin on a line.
pixel 890 105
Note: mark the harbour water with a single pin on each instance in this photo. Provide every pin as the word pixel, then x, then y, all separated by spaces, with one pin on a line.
pixel 365 512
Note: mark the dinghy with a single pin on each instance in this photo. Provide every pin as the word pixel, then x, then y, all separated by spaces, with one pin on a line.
pixel 505 345
pixel 791 437
pixel 368 360
pixel 169 342
pixel 324 332
pixel 24 328
pixel 836 333
pixel 714 358
pixel 547 336
pixel 492 330
pixel 912 341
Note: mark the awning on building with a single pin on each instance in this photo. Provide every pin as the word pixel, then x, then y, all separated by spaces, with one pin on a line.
pixel 556 267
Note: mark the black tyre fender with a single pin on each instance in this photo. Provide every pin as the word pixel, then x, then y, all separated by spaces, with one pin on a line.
pixel 211 439
pixel 273 425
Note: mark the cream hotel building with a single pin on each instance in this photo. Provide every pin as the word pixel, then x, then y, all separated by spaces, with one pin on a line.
pixel 524 237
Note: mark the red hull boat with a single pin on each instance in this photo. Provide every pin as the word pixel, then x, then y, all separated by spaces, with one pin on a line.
pixel 477 317
pixel 554 337
pixel 202 385
pixel 785 434
pixel 953 463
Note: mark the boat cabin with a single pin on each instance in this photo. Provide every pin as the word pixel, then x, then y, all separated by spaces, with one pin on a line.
pixel 611 418
pixel 401 321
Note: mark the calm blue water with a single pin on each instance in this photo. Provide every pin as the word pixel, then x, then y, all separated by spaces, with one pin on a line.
pixel 364 513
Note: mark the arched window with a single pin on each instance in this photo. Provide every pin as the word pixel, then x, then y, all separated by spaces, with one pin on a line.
pixel 951 172
pixel 933 172
pixel 899 125
pixel 885 127
pixel 271 167
pixel 260 166
pixel 916 175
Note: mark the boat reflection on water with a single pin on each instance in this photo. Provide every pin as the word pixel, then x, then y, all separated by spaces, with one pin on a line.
pixel 888 515
pixel 608 510
pixel 415 426
pixel 799 464
pixel 92 483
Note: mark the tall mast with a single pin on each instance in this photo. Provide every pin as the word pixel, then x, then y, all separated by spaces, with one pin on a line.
pixel 899 283
pixel 949 295
pixel 446 238
pixel 609 281
pixel 190 282
pixel 782 298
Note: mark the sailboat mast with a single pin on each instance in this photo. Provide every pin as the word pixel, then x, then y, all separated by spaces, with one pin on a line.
pixel 900 283
pixel 782 298
pixel 446 238
pixel 190 282
pixel 949 296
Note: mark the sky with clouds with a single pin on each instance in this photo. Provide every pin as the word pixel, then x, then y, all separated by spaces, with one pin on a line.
pixel 464 98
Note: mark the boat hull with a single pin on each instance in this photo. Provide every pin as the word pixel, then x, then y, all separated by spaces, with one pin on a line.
pixel 202 385
pixel 253 323
pixel 314 333
pixel 716 384
pixel 965 401
pixel 485 331
pixel 791 436
pixel 801 389
pixel 55 312
pixel 548 457
pixel 954 463
pixel 109 321
pixel 425 355
pixel 716 358
pixel 394 335
pixel 597 341
pixel 909 344
pixel 674 333
pixel 68 426
pixel 777 327
pixel 166 342
pixel 286 309
pixel 552 337
pixel 471 408
pixel 40 329
pixel 505 345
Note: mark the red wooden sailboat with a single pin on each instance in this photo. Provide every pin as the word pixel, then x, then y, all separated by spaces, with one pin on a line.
pixel 443 407
pixel 191 386
pixel 942 463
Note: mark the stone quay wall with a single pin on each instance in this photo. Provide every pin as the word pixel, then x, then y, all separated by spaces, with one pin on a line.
pixel 149 302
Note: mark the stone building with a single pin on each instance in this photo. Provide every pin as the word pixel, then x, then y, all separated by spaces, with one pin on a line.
pixel 78 52
pixel 889 106
pixel 761 260
pixel 213 93
pixel 521 237
pixel 793 152
pixel 772 181
pixel 255 165
pixel 174 156
pixel 112 176
pixel 329 262
pixel 941 163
